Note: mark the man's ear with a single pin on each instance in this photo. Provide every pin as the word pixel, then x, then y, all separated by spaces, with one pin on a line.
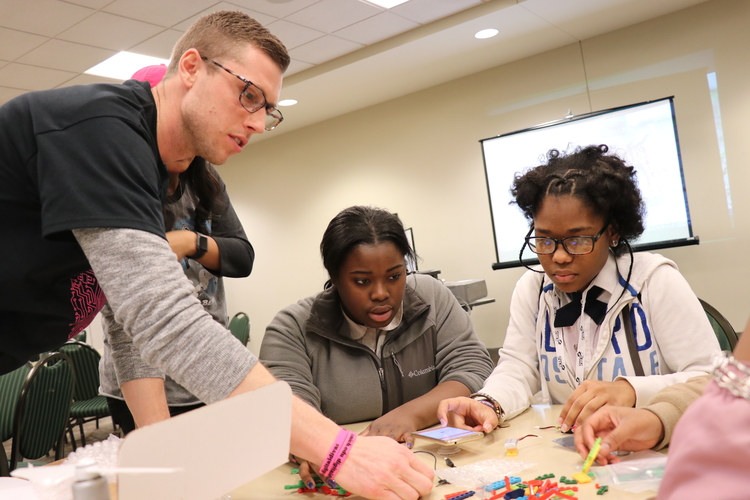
pixel 189 67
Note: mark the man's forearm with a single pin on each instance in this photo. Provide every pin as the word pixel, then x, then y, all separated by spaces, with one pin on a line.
pixel 312 433
pixel 146 400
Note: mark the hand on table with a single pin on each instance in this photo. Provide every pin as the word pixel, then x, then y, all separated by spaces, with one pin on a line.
pixel 381 469
pixel 592 395
pixel 306 470
pixel 467 413
pixel 395 425
pixel 627 429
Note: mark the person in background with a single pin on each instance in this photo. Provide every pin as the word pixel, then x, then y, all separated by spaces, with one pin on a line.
pixel 710 449
pixel 596 325
pixel 84 171
pixel 197 207
pixel 375 344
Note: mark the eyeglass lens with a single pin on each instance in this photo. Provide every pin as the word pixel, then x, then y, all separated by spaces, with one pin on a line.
pixel 575 245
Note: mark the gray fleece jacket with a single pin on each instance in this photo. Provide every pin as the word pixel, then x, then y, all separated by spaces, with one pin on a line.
pixel 309 346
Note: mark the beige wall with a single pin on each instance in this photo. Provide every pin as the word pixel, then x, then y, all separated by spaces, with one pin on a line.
pixel 419 156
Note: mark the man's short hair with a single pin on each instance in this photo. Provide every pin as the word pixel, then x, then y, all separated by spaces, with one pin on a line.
pixel 223 35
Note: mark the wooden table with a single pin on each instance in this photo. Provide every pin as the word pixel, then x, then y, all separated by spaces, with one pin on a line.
pixel 548 456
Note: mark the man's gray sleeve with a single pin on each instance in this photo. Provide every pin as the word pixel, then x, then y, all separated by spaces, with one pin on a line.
pixel 154 302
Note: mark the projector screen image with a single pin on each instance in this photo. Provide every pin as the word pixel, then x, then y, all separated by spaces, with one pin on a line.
pixel 644 135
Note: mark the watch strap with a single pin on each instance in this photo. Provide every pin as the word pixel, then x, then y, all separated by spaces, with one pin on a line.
pixel 201 246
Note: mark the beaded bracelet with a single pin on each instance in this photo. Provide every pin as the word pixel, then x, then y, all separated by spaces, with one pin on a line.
pixel 491 402
pixel 732 375
pixel 338 453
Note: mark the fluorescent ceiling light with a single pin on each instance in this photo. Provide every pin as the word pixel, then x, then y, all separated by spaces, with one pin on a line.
pixel 488 33
pixel 288 102
pixel 122 66
pixel 386 4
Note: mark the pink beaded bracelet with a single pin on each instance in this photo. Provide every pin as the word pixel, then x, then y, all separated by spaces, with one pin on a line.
pixel 338 453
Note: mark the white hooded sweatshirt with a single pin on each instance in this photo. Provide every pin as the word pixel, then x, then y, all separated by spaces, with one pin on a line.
pixel 540 363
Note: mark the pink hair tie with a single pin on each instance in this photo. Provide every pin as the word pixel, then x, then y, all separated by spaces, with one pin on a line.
pixel 338 453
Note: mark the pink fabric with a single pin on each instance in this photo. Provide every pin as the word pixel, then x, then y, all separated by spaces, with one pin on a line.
pixel 709 456
pixel 150 74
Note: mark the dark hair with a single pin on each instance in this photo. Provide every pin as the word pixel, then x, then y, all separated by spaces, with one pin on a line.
pixel 601 181
pixel 356 226
pixel 221 34
pixel 200 178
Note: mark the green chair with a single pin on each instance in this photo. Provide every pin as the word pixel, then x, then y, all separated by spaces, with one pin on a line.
pixel 240 327
pixel 41 412
pixel 87 405
pixel 722 328
pixel 10 390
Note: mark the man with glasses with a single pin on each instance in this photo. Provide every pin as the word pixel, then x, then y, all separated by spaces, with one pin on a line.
pixel 83 175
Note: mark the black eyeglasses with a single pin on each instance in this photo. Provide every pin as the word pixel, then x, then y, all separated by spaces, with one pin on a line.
pixel 574 245
pixel 252 99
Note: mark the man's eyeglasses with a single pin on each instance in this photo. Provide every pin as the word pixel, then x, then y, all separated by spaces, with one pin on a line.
pixel 574 245
pixel 253 99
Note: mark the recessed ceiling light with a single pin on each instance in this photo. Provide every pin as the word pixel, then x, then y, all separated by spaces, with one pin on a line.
pixel 488 33
pixel 386 4
pixel 121 66
pixel 288 102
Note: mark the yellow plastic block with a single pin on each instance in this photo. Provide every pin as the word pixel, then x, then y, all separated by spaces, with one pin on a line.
pixel 582 478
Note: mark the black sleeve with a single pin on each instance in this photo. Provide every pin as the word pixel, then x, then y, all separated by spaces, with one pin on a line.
pixel 237 254
pixel 91 179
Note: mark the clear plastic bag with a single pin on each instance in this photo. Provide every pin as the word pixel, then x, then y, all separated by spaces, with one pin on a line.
pixel 642 471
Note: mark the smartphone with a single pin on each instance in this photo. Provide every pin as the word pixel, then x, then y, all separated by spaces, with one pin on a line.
pixel 449 435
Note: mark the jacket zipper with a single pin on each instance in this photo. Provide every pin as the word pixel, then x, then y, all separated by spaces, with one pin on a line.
pixel 397 364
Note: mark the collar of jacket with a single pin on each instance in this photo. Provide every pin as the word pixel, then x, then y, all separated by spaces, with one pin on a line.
pixel 327 320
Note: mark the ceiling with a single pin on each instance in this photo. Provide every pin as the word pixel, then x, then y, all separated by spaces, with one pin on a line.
pixel 346 54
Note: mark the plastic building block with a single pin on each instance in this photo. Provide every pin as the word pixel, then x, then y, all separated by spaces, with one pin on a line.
pixel 300 484
pixel 602 490
pixel 546 476
pixel 501 484
pixel 514 494
pixel 463 495
pixel 511 447
pixel 450 496
pixel 582 478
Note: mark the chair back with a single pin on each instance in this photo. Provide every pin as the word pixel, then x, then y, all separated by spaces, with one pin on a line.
pixel 43 409
pixel 10 390
pixel 726 335
pixel 85 360
pixel 240 327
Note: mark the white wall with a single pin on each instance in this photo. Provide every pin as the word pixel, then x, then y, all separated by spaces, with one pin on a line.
pixel 419 156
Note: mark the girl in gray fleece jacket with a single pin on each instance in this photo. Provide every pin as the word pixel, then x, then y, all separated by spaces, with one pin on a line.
pixel 376 344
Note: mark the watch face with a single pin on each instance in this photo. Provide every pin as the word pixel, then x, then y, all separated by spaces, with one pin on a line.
pixel 202 242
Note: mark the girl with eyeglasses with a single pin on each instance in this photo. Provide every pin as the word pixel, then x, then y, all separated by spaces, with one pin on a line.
pixel 596 324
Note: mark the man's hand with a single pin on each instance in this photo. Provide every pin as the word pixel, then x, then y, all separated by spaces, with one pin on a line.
pixel 592 395
pixel 381 469
pixel 467 413
pixel 627 429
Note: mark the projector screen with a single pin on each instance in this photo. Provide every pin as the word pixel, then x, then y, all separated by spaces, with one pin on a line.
pixel 644 135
